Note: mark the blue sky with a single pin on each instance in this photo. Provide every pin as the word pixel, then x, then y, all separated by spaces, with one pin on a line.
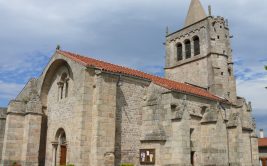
pixel 130 33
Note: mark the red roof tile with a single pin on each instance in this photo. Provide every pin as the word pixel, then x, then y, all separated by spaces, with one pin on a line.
pixel 262 142
pixel 168 84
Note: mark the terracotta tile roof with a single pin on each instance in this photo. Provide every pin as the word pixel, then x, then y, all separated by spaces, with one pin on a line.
pixel 168 84
pixel 262 142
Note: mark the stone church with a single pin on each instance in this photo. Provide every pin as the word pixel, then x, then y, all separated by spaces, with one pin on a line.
pixel 88 112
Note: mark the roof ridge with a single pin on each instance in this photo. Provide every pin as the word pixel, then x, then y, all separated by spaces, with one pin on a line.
pixel 164 82
pixel 102 61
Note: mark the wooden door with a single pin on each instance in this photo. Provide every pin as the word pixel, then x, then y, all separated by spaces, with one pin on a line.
pixel 63 154
pixel 264 162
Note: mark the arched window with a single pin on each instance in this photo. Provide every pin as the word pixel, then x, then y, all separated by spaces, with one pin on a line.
pixel 63 86
pixel 196 45
pixel 187 49
pixel 179 48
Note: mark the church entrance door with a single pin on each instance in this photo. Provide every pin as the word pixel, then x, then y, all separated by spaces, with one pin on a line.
pixel 63 154
pixel 264 161
pixel 60 148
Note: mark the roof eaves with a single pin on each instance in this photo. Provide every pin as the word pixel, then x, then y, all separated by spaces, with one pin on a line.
pixel 123 74
pixel 192 94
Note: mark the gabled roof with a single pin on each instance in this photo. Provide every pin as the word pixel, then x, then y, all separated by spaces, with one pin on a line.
pixel 168 84
pixel 262 142
pixel 195 13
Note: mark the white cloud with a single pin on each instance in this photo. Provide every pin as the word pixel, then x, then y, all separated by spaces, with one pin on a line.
pixel 9 90
pixel 126 32
pixel 254 91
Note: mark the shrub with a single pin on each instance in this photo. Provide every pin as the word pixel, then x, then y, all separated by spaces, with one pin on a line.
pixel 127 164
pixel 14 163
pixel 70 165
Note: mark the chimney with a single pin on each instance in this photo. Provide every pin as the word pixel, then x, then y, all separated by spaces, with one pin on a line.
pixel 261 133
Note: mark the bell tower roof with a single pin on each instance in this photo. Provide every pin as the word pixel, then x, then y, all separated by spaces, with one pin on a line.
pixel 195 13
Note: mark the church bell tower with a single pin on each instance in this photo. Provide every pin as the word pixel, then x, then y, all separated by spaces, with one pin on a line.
pixel 200 53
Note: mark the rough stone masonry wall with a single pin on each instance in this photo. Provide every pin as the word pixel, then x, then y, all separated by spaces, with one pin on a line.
pixel 214 143
pixel 14 138
pixel 188 70
pixel 168 129
pixel 199 29
pixel 246 151
pixel 130 98
pixel 31 140
pixel 66 113
pixel 213 67
pixel 103 121
pixel 195 129
pixel 23 126
pixel 157 131
pixel 14 129
pixel 222 82
pixel 87 99
pixel 3 112
pixel 190 73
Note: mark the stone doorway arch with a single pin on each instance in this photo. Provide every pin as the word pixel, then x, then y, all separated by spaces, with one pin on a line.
pixel 60 148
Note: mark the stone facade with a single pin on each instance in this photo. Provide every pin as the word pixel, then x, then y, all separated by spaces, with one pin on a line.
pixel 2 127
pixel 91 113
pixel 215 54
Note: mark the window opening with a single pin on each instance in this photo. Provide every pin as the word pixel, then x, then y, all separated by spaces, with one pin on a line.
pixel 61 92
pixel 187 49
pixel 63 85
pixel 179 51
pixel 196 45
pixel 66 89
pixel 229 72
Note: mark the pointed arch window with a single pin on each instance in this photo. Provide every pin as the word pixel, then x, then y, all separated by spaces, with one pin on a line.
pixel 187 49
pixel 196 45
pixel 179 48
